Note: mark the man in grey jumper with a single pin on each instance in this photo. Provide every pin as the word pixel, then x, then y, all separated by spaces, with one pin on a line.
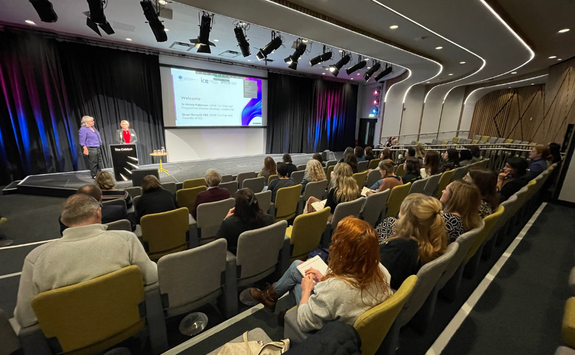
pixel 85 251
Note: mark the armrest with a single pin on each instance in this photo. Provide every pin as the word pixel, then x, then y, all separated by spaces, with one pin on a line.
pixel 326 236
pixel 193 233
pixel 291 329
pixel 155 320
pixel 284 258
pixel 33 341
pixel 230 298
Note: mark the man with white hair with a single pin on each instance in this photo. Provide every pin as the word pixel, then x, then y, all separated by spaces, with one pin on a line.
pixel 86 251
pixel 213 193
pixel 91 141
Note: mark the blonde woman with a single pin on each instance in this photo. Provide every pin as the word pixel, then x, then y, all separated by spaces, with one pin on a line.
pixel 461 204
pixel 417 237
pixel 344 189
pixel 420 152
pixel 105 181
pixel 313 172
pixel 126 134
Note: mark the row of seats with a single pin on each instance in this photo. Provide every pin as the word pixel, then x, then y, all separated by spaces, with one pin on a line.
pixel 478 139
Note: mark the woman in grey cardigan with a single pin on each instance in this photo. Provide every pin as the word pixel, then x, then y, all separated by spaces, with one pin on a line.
pixel 355 280
pixel 126 134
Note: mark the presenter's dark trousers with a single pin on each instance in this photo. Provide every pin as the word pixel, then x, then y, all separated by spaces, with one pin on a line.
pixel 95 160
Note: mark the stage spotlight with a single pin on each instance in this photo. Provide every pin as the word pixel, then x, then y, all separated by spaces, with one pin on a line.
pixel 299 50
pixel 384 72
pixel 96 17
pixel 320 58
pixel 334 69
pixel 356 67
pixel 45 10
pixel 202 43
pixel 274 44
pixel 155 24
pixel 370 72
pixel 241 38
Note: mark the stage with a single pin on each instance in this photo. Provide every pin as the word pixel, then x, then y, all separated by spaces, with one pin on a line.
pixel 66 183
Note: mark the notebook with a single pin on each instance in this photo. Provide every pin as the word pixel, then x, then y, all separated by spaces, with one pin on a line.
pixel 316 262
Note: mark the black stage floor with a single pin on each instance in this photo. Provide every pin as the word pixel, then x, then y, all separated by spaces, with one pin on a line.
pixel 65 184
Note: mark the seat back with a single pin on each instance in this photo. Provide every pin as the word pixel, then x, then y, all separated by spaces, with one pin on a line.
pixel 372 177
pixel 8 338
pixel 330 163
pixel 94 315
pixel 568 324
pixel 264 200
pixel 508 140
pixel 255 184
pixel 374 324
pixel 484 138
pixel 474 141
pixel 231 186
pixel 431 184
pixel 492 140
pixel 487 231
pixel 242 176
pixel 258 252
pixel 465 242
pixel 360 179
pixel 191 278
pixel 477 137
pixel 272 177
pixel 362 166
pixel 417 187
pixel 373 163
pixel 459 173
pixel 187 197
pixel 315 189
pixel 443 182
pixel 427 278
pixel 227 178
pixel 306 232
pixel 400 170
pixel 190 183
pixel 119 225
pixel 165 232
pixel 170 186
pixel 211 215
pixel 301 167
pixel 287 199
pixel 297 176
pixel 455 139
pixel 396 197
pixel 116 202
pixel 134 191
pixel 374 207
pixel 345 209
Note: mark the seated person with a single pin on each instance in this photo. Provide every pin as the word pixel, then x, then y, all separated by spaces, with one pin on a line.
pixel 430 164
pixel 313 172
pixel 389 179
pixel 369 153
pixel 417 237
pixel 412 170
pixel 351 160
pixel 154 198
pixel 486 182
pixel 450 160
pixel 106 183
pixel 465 157
pixel 461 202
pixel 283 180
pixel 244 216
pixel 348 150
pixel 512 179
pixel 110 213
pixel 344 190
pixel 213 193
pixel 317 156
pixel 289 164
pixel 269 168
pixel 475 153
pixel 554 153
pixel 359 153
pixel 538 164
pixel 356 280
pixel 87 250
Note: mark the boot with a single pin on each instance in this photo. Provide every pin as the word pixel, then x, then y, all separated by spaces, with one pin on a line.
pixel 268 297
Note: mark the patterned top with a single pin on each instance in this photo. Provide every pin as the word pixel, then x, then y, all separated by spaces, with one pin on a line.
pixel 453 226
pixel 485 209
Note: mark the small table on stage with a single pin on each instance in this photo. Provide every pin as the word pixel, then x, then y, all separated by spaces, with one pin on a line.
pixel 160 155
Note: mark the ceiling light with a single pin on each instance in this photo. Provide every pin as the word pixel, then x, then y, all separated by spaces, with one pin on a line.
pixel 358 73
pixel 532 84
pixel 513 72
pixel 461 62
pixel 427 82
pixel 274 44
pixel 299 50
pixel 393 27
pixel 552 57
pixel 563 30
pixel 96 18
pixel 156 25
pixel 322 73
pixel 387 70
pixel 439 47
pixel 203 41
pixel 128 39
pixel 162 2
pixel 371 71
pixel 450 74
pixel 241 31
pixel 165 29
pixel 334 69
pixel 351 78
pixel 558 59
pixel 45 10
pixel 216 40
pixel 359 65
pixel 320 58
pixel 30 22
pixel 341 50
pixel 249 60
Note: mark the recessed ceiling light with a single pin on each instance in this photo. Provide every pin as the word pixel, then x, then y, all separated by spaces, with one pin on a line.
pixel 249 60
pixel 30 22
pixel 510 87
pixel 552 57
pixel 351 78
pixel 128 39
pixel 393 27
pixel 461 62
pixel 165 29
pixel 341 50
pixel 216 40
pixel 358 74
pixel 439 47
pixel 427 82
pixel 563 30
pixel 513 72
pixel 450 74
pixel 532 84
pixel 558 59
pixel 322 73
pixel 162 2
pixel 368 67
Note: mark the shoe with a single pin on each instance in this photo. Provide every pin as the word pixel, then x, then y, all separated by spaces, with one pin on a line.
pixel 268 297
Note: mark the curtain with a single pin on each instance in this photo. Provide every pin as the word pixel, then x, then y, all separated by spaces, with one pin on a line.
pixel 307 115
pixel 47 86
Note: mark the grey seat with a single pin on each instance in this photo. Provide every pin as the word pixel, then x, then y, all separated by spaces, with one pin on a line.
pixel 170 186
pixel 315 189
pixel 297 176
pixel 419 308
pixel 232 186
pixel 431 185
pixel 255 184
pixel 116 202
pixel 372 177
pixel 374 207
pixel 134 191
pixel 450 281
pixel 261 252
pixel 192 278
pixel 501 227
pixel 342 210
pixel 500 140
pixel 330 163
pixel 459 173
pixel 242 176
pixel 517 141
pixel 477 137
pixel 120 225
pixel 301 167
pixel 227 178
pixel 209 218
pixel 417 187
pixel 8 338
pixel 436 141
pixel 362 166
pixel 492 140
pixel 264 200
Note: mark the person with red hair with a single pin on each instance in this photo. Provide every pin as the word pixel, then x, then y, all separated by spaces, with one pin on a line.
pixel 355 282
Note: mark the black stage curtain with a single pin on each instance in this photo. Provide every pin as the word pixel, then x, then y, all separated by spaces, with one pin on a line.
pixel 47 86
pixel 307 115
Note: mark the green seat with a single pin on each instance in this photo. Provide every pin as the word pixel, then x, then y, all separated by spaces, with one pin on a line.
pixel 400 170
pixel 396 197
pixel 373 163
pixel 188 184
pixel 444 180
pixel 306 232
pixel 568 324
pixel 360 179
pixel 187 197
pixel 287 200
pixel 166 232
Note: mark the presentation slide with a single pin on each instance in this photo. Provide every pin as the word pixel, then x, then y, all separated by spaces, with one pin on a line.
pixel 208 99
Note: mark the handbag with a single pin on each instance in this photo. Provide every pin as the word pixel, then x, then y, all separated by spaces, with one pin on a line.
pixel 255 347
